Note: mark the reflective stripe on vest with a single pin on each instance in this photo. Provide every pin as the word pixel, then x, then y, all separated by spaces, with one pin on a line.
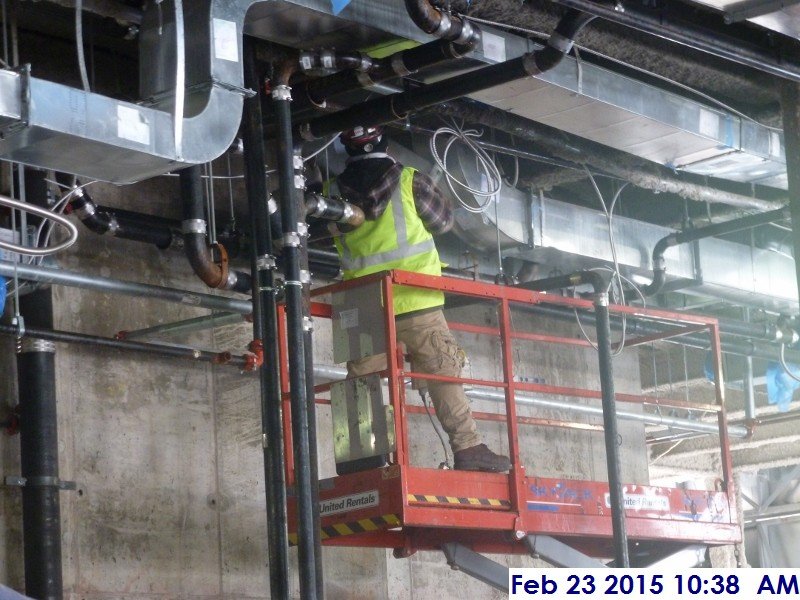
pixel 395 240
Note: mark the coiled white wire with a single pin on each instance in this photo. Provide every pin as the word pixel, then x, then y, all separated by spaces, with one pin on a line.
pixel 485 164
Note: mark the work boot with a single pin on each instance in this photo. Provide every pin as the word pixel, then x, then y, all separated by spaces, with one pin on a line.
pixel 480 458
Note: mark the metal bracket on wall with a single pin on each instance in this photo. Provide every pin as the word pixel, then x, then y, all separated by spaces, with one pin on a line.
pixel 15 481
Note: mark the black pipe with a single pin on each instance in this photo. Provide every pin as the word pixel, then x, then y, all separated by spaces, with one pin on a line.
pixel 692 235
pixel 405 62
pixel 265 329
pixel 398 106
pixel 611 434
pixel 104 222
pixel 289 164
pixel 691 34
pixel 215 275
pixel 36 385
pixel 54 335
pixel 600 282
pixel 443 25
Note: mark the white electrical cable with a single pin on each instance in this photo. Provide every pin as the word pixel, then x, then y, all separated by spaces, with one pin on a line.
pixel 45 214
pixel 79 42
pixel 486 166
pixel 785 366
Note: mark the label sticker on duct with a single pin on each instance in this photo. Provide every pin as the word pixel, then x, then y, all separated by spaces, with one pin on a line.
pixel 709 124
pixel 348 318
pixel 348 503
pixel 494 47
pixel 226 41
pixel 642 502
pixel 132 125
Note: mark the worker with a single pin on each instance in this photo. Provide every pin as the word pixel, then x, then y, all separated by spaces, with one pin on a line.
pixel 404 210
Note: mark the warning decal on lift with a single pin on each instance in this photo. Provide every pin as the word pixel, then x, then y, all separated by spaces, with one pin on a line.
pixel 428 499
pixel 360 526
pixel 347 503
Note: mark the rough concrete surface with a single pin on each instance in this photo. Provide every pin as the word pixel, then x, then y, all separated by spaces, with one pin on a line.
pixel 167 455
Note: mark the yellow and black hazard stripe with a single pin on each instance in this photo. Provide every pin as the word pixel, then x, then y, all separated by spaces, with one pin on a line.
pixel 354 527
pixel 462 501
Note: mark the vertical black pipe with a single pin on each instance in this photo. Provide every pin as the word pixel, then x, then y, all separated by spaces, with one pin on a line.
pixel 265 329
pixel 36 377
pixel 617 500
pixel 312 414
pixel 790 104
pixel 290 185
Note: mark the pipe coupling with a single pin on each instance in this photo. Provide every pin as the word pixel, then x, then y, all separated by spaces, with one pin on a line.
pixel 445 25
pixel 367 64
pixel 601 299
pixel 282 93
pixel 232 280
pixel 86 210
pixel 32 345
pixel 318 206
pixel 470 35
pixel 194 226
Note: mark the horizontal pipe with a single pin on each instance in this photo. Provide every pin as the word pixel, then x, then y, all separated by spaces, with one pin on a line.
pixel 332 373
pixel 53 276
pixel 185 326
pixel 69 337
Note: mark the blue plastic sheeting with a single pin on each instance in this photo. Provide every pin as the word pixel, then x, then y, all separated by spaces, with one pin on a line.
pixel 3 292
pixel 8 593
pixel 780 385
pixel 339 5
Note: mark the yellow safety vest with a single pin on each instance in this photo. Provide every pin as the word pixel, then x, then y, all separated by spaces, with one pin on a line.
pixel 395 240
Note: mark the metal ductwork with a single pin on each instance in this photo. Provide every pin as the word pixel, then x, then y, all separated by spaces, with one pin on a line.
pixel 55 126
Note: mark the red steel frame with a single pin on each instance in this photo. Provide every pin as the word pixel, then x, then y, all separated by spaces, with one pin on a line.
pixel 493 512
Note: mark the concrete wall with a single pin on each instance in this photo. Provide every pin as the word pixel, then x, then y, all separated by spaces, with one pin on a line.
pixel 168 460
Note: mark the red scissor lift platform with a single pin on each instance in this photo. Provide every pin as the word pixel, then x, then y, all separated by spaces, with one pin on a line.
pixel 409 508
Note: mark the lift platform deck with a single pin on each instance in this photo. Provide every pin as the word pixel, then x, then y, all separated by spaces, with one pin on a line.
pixel 409 508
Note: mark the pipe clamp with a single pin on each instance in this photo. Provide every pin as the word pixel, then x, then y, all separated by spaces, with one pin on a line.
pixel 265 263
pixel 297 162
pixel 601 299
pixel 291 240
pixel 194 226
pixel 113 226
pixel 33 345
pixel 299 182
pixel 308 324
pixel 305 276
pixel 302 229
pixel 282 93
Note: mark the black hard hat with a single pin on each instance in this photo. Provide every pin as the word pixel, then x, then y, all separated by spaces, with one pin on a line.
pixel 362 140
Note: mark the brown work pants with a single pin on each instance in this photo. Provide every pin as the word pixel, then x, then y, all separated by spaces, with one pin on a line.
pixel 434 351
